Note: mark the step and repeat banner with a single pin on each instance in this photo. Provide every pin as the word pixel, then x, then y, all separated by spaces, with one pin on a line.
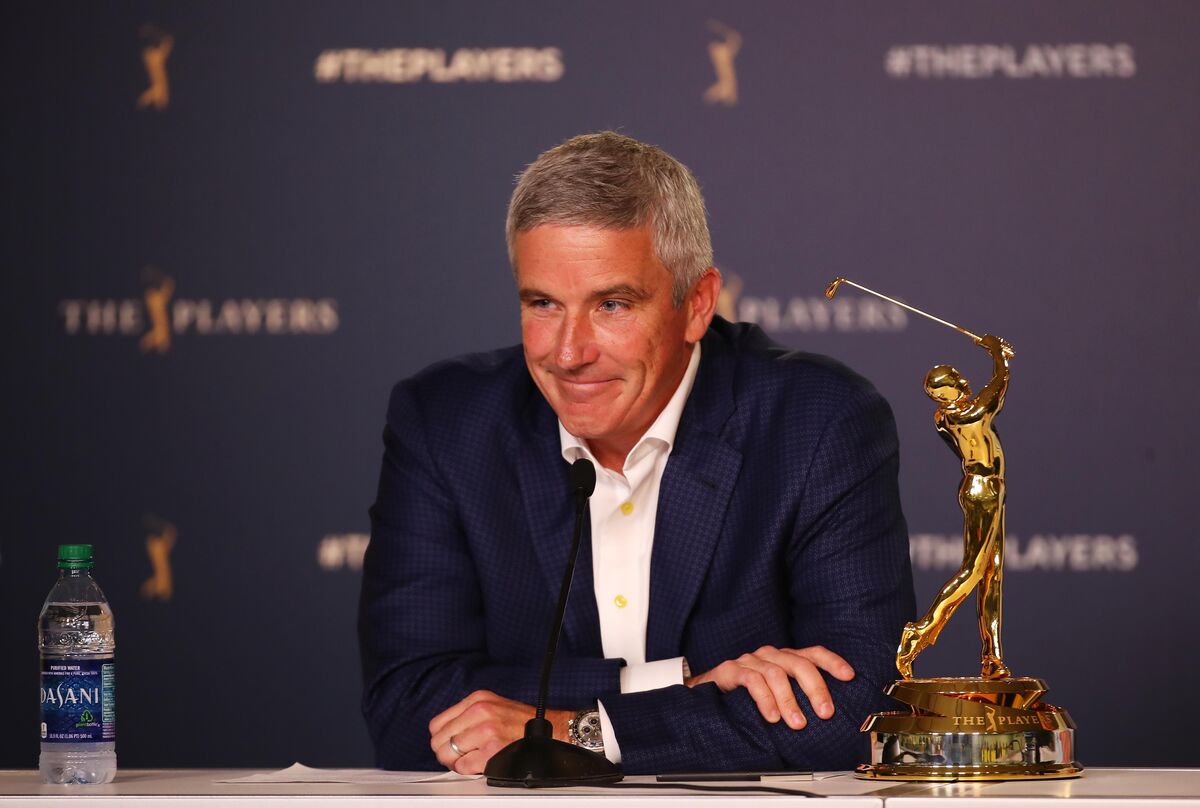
pixel 229 228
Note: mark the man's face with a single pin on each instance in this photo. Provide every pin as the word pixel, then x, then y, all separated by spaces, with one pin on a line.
pixel 602 339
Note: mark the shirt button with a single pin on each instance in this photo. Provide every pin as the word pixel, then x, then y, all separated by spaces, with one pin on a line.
pixel 627 507
pixel 620 601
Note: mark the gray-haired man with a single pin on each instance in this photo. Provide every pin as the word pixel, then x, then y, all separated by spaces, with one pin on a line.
pixel 745 532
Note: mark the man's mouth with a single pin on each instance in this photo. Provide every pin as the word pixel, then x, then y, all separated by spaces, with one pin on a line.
pixel 581 389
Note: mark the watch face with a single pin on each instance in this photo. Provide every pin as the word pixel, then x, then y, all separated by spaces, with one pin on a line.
pixel 585 730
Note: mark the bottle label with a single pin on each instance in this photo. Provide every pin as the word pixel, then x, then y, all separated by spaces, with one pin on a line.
pixel 78 700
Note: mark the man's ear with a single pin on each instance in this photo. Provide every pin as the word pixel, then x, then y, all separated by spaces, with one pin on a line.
pixel 701 303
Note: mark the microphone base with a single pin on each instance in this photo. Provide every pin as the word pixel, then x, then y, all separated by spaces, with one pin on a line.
pixel 539 762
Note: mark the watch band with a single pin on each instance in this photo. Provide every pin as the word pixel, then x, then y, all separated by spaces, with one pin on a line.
pixel 584 730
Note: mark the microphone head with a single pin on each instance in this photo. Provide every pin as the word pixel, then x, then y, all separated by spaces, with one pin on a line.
pixel 583 477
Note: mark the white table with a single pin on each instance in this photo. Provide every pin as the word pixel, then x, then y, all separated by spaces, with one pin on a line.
pixel 197 788
pixel 1111 788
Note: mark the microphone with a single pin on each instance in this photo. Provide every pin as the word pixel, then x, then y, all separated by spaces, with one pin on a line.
pixel 583 479
pixel 538 760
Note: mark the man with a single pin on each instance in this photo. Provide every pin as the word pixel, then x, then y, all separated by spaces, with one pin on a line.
pixel 746 571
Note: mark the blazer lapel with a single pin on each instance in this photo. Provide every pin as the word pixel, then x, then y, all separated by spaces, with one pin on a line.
pixel 550 513
pixel 694 494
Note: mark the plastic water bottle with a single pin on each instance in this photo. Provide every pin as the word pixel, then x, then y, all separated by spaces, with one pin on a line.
pixel 75 632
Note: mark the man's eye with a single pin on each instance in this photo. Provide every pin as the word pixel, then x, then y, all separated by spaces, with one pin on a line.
pixel 613 305
pixel 541 303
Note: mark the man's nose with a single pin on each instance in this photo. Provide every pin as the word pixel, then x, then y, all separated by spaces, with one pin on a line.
pixel 576 343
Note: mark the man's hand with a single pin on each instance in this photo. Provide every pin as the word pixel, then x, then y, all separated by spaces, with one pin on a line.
pixel 766 673
pixel 481 725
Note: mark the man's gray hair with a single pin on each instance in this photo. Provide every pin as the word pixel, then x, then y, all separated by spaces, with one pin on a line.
pixel 612 181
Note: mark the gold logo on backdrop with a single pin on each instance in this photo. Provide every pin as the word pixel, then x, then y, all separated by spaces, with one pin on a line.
pixel 160 540
pixel 723 52
pixel 158 293
pixel 154 56
pixel 727 299
pixel 158 316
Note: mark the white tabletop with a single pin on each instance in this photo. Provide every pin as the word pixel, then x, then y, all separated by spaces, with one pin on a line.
pixel 198 788
pixel 1096 787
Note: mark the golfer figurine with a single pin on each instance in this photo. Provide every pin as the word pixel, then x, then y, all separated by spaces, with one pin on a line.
pixel 963 729
pixel 965 423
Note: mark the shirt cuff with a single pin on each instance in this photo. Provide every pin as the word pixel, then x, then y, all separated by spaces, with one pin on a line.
pixel 612 749
pixel 635 679
pixel 651 676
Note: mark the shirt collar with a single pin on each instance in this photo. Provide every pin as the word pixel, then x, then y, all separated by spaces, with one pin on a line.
pixel 661 433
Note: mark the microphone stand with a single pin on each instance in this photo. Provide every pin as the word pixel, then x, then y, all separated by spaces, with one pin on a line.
pixel 538 760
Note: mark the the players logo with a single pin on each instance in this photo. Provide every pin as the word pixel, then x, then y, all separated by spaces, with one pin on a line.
pixel 160 540
pixel 160 317
pixel 722 53
pixel 154 55
pixel 777 314
pixel 158 293
pixel 438 66
pixel 1069 60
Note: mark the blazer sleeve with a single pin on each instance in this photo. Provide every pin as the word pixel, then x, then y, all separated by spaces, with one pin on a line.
pixel 422 629
pixel 850 590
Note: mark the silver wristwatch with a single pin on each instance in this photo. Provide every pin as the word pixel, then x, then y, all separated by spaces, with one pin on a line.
pixel 584 730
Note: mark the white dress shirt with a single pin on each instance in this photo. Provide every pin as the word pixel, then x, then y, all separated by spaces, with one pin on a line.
pixel 623 509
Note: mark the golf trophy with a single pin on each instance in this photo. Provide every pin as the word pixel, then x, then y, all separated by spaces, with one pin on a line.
pixel 994 727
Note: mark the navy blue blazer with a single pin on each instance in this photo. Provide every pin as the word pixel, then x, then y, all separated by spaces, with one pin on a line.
pixel 778 523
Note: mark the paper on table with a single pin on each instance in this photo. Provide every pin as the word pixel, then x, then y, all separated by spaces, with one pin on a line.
pixel 299 773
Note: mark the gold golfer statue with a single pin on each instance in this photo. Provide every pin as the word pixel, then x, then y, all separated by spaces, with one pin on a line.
pixel 995 727
pixel 965 423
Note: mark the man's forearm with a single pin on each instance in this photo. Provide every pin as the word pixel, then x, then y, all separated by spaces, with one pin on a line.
pixel 701 728
pixel 399 703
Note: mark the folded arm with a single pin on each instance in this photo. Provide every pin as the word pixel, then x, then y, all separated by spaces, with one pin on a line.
pixel 422 629
pixel 851 591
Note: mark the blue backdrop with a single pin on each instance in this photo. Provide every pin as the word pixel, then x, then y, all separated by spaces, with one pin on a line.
pixel 230 227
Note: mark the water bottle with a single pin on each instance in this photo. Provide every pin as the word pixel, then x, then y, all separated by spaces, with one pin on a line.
pixel 75 633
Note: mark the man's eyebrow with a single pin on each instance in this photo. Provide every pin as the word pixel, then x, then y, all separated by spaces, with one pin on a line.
pixel 621 290
pixel 528 295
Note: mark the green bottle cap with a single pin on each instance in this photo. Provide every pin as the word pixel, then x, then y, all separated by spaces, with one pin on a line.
pixel 75 556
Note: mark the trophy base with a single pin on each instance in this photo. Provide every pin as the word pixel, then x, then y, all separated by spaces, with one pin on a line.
pixel 968 756
pixel 970 730
pixel 868 771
